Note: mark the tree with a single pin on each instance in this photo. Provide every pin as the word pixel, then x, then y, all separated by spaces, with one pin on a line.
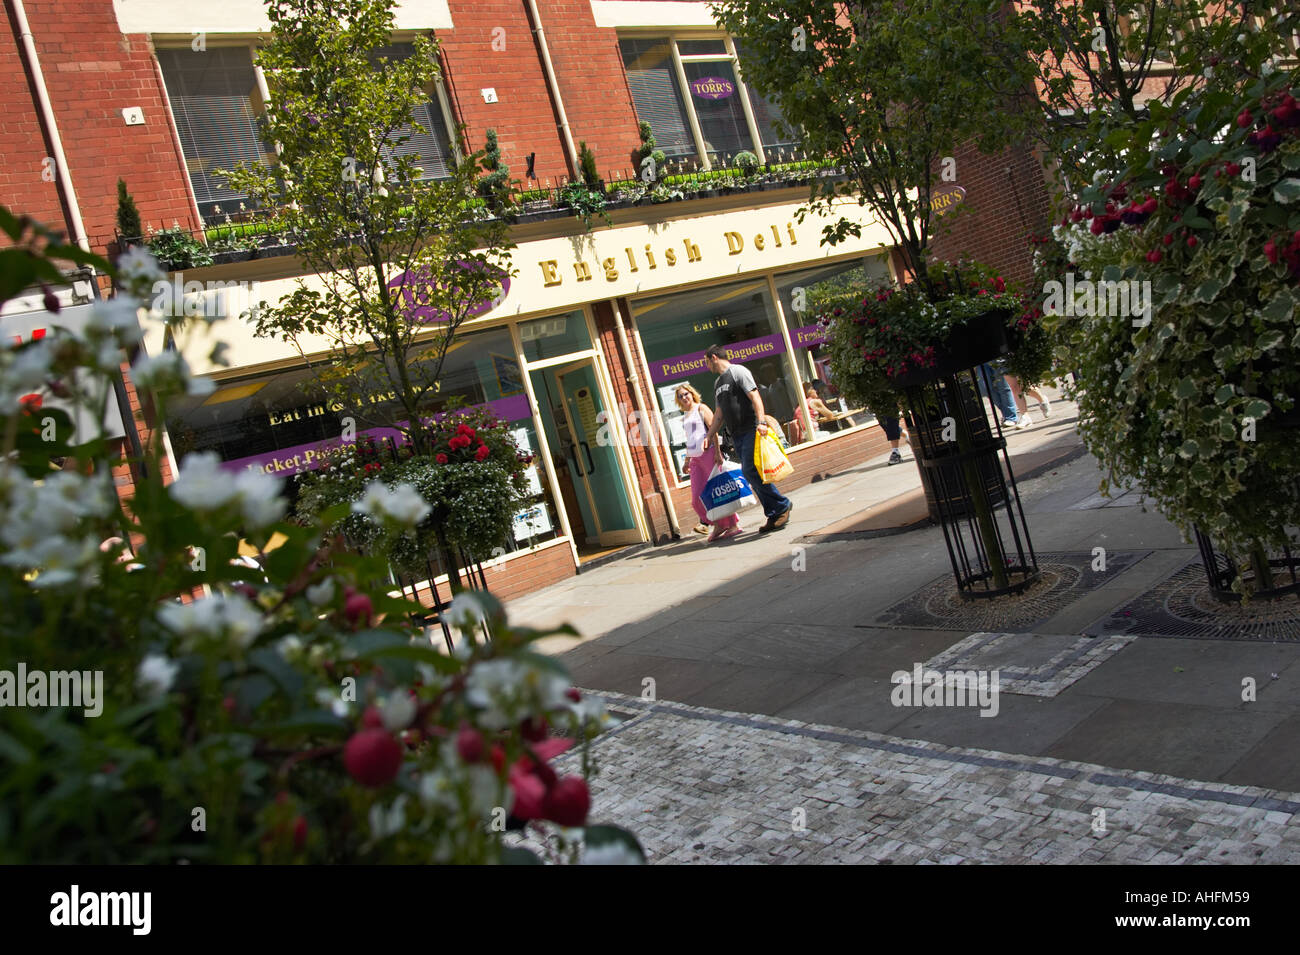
pixel 888 90
pixel 401 260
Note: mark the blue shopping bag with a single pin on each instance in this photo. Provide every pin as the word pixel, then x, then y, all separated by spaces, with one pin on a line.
pixel 725 492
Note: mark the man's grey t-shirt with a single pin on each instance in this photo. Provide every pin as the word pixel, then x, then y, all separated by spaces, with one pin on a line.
pixel 731 393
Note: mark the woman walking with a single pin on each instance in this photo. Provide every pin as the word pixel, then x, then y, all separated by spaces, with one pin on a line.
pixel 699 463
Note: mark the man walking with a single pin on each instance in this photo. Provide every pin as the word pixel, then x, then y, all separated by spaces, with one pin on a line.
pixel 737 398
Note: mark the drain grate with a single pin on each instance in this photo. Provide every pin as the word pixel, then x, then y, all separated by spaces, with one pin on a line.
pixel 1181 606
pixel 1065 578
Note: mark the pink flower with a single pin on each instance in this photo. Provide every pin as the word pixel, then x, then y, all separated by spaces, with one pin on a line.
pixel 441 458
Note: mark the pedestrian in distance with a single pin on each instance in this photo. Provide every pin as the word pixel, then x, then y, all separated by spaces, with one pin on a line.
pixel 697 418
pixel 740 405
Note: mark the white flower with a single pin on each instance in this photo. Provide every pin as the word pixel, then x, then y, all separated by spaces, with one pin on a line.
pixel 398 711
pixel 116 319
pixel 320 594
pixel 331 698
pixel 224 615
pixel 401 504
pixel 1267 68
pixel 137 266
pixel 466 611
pixel 24 372
pixel 156 674
pixel 388 822
pixel 289 647
pixel 259 498
pixel 202 485
pixel 611 853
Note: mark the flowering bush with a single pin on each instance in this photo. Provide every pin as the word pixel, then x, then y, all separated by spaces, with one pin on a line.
pixel 470 487
pixel 876 337
pixel 174 702
pixel 1196 401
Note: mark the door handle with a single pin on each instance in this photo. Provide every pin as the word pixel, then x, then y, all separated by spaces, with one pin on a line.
pixel 591 465
pixel 573 455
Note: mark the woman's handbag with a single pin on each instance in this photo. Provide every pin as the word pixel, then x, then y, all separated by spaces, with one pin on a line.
pixel 725 492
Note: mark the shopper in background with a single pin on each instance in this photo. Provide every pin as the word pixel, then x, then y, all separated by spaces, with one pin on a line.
pixel 697 418
pixel 990 375
pixel 1043 405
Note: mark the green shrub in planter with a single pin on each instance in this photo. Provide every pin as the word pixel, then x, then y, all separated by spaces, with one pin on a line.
pixel 176 249
pixel 746 162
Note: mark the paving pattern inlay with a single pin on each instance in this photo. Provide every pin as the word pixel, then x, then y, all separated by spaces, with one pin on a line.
pixel 1031 664
pixel 700 785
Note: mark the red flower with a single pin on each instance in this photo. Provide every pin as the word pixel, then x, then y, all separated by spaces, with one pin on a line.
pixel 358 609
pixel 469 744
pixel 1154 256
pixel 1191 241
pixel 568 802
pixel 373 757
pixel 441 458
pixel 998 284
pixel 1244 118
pixel 1232 169
pixel 482 453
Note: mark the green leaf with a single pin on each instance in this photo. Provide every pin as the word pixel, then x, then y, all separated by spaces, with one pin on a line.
pixel 319 722
pixel 13 750
pixel 1269 340
pixel 1287 191
pixel 1196 222
pixel 1224 394
pixel 1256 408
pixel 1189 449
pixel 1281 307
pixel 1208 291
pixel 1187 388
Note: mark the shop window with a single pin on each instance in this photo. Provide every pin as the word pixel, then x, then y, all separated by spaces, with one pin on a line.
pixel 676 329
pixel 807 293
pixel 214 101
pixel 284 423
pixel 555 336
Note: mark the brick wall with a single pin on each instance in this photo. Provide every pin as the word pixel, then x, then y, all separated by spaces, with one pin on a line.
pixel 22 188
pixel 92 73
pixel 592 83
pixel 1006 199
pixel 523 115
pixel 520 576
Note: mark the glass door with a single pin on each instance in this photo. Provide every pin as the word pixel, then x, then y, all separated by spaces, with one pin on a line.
pixel 593 458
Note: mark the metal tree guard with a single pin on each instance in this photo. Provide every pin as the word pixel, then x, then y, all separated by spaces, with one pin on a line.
pixel 1261 580
pixel 976 495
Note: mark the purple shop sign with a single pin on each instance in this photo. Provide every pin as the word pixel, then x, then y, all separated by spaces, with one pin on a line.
pixel 306 457
pixel 417 308
pixel 683 366
pixel 807 336
pixel 713 87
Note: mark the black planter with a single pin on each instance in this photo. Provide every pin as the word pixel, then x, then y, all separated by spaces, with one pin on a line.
pixel 971 344
pixel 969 485
pixel 240 255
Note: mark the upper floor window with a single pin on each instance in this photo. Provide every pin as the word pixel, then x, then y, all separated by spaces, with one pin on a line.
pixel 691 92
pixel 216 103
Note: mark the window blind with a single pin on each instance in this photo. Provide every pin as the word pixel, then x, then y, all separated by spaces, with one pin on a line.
pixel 651 80
pixel 432 148
pixel 211 94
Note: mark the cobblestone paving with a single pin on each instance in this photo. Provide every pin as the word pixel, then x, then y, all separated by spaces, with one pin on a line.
pixel 704 786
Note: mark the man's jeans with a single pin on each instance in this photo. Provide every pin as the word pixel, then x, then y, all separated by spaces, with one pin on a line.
pixel 772 500
pixel 1002 397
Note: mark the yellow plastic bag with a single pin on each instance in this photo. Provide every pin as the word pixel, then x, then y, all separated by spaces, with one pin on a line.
pixel 769 459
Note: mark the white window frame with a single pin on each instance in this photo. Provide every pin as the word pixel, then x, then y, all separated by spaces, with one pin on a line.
pixel 674 36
